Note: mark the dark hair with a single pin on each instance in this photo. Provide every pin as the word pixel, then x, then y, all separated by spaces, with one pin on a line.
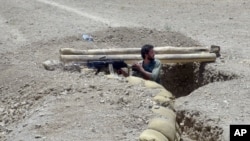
pixel 145 49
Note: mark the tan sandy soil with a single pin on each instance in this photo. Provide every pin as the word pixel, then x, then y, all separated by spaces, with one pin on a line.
pixel 36 104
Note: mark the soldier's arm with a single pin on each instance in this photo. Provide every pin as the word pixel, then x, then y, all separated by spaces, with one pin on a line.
pixel 156 71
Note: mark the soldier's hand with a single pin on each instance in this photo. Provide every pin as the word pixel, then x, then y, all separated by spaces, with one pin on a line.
pixel 137 66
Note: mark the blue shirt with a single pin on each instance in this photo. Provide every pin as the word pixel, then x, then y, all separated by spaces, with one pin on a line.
pixel 153 67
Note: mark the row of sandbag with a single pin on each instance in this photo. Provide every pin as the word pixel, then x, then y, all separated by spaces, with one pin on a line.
pixel 163 127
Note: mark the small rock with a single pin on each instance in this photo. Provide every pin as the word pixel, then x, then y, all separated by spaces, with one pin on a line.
pixel 126 93
pixel 51 65
pixel 112 102
pixel 37 126
pixel 225 101
pixel 101 94
pixel 16 105
pixel 1 110
pixel 11 111
pixel 2 124
pixel 102 101
pixel 41 115
pixel 156 107
pixel 38 136
pixel 87 37
pixel 93 130
pixel 181 124
pixel 64 93
pixel 69 89
pixel 37 97
pixel 120 100
pixel 23 103
pixel 150 106
pixel 72 67
pixel 9 130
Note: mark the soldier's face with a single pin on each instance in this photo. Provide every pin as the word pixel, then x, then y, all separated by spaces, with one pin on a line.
pixel 151 55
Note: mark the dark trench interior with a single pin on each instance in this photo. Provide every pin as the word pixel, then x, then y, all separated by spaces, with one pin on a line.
pixel 182 79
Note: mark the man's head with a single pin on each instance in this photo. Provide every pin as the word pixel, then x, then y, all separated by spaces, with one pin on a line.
pixel 147 52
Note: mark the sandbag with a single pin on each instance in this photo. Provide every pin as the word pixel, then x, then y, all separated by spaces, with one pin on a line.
pixel 152 135
pixel 164 126
pixel 152 84
pixel 166 93
pixel 164 112
pixel 169 114
pixel 134 80
pixel 164 101
pixel 112 76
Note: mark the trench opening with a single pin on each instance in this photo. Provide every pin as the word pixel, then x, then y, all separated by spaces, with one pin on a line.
pixel 198 130
pixel 182 79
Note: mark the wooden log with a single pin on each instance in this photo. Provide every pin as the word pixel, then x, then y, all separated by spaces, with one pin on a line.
pixel 158 50
pixel 132 58
pixel 71 51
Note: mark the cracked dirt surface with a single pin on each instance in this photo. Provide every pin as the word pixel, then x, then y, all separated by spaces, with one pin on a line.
pixel 36 104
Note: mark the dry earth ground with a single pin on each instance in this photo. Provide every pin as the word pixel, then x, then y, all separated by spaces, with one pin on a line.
pixel 36 104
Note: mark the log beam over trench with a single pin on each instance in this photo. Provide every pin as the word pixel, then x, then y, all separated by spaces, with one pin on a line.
pixel 158 50
pixel 131 58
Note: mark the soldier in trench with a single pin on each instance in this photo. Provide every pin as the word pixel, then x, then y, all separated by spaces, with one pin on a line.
pixel 148 68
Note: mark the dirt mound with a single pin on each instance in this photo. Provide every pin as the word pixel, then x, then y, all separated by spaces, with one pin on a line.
pixel 124 37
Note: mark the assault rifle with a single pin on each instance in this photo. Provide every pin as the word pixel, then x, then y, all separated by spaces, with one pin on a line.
pixel 105 63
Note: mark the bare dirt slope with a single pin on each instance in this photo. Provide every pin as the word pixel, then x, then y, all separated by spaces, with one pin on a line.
pixel 36 104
